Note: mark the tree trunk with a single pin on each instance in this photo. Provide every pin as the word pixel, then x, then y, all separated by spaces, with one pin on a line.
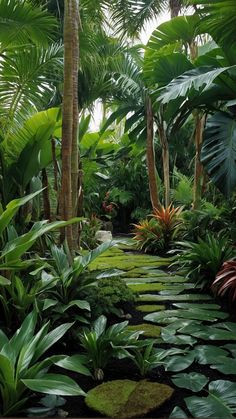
pixel 75 150
pixel 197 188
pixel 165 161
pixel 175 7
pixel 154 196
pixel 55 166
pixel 67 122
pixel 46 200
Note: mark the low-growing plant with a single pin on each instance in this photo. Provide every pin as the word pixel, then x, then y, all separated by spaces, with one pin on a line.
pixel 71 278
pixel 145 357
pixel 202 260
pixel 23 366
pixel 164 226
pixel 225 281
pixel 102 343
pixel 148 236
pixel 109 296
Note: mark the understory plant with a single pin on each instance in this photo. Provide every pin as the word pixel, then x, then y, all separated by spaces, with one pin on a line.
pixel 158 232
pixel 71 277
pixel 225 281
pixel 203 259
pixel 24 366
pixel 102 343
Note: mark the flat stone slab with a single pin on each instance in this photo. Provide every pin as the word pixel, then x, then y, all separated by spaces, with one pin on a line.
pixel 127 399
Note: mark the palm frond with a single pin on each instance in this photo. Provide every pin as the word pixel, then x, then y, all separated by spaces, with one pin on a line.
pixel 27 81
pixel 21 23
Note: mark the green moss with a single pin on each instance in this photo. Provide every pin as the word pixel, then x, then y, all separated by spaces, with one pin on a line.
pixel 150 330
pixel 149 308
pixel 184 297
pixel 147 287
pixel 127 399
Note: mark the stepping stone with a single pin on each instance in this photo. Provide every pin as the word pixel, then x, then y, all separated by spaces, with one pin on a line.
pixel 150 330
pixel 150 308
pixel 196 305
pixel 184 297
pixel 192 314
pixel 127 399
pixel 147 279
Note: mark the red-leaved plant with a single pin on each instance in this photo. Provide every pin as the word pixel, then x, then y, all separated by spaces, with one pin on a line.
pixel 225 282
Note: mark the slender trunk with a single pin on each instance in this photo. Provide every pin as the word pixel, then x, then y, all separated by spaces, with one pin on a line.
pixel 165 161
pixel 154 195
pixel 197 188
pixel 67 122
pixel 55 166
pixel 46 200
pixel 175 7
pixel 75 150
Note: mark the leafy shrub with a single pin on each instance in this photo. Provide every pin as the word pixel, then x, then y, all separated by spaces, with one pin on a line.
pixel 158 232
pixel 23 365
pixel 103 343
pixel 148 236
pixel 225 281
pixel 209 217
pixel 109 296
pixel 203 259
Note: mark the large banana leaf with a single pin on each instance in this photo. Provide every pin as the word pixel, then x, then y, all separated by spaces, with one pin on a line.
pixel 198 80
pixel 219 151
pixel 29 150
pixel 220 403
pixel 11 209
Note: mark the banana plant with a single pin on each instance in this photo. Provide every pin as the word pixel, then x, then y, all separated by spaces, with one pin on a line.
pixel 24 367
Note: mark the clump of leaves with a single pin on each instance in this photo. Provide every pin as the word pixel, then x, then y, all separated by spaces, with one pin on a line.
pixel 148 236
pixel 109 296
pixel 158 232
pixel 202 260
pixel 225 281
pixel 102 343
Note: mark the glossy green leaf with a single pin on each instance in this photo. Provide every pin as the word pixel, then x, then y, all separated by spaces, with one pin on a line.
pixel 208 354
pixel 192 381
pixel 178 413
pixel 219 153
pixel 225 365
pixel 220 403
pixel 58 384
pixel 75 363
pixel 179 363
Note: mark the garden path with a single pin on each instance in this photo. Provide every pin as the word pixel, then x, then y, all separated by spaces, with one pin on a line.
pixel 172 310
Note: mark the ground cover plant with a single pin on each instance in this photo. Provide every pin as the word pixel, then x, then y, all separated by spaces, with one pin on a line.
pixel 117 208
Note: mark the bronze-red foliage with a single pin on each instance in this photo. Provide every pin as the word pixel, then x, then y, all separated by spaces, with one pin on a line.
pixel 225 282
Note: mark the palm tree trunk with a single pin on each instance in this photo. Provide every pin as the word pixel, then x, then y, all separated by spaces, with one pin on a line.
pixel 75 151
pixel 198 172
pixel 175 7
pixel 165 161
pixel 151 165
pixel 67 122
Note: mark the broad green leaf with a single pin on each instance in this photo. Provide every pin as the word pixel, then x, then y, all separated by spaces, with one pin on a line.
pixel 4 281
pixel 198 314
pixel 225 365
pixel 192 381
pixel 178 413
pixel 12 208
pixel 75 363
pixel 51 338
pixel 169 337
pixel 198 79
pixel 58 384
pixel 208 354
pixel 81 304
pixel 221 401
pixel 218 153
pixel 179 363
